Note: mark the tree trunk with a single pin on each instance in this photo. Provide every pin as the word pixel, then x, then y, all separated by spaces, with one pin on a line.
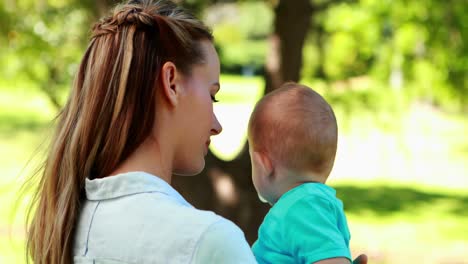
pixel 226 187
pixel 284 58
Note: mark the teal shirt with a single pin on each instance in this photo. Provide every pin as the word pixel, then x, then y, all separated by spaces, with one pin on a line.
pixel 306 225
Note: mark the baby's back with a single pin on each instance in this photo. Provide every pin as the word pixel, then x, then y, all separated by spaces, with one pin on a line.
pixel 306 225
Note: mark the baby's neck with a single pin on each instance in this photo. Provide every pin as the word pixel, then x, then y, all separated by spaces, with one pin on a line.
pixel 296 178
pixel 288 180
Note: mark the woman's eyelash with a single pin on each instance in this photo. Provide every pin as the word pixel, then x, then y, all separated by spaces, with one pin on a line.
pixel 214 99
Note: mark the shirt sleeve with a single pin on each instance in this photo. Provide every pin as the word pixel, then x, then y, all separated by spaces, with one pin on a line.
pixel 312 231
pixel 223 242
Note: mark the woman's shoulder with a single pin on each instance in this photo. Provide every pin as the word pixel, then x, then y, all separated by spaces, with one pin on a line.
pixel 158 209
pixel 223 242
pixel 136 196
pixel 139 218
pixel 145 228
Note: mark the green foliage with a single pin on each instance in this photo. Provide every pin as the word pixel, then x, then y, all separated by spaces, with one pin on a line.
pixel 363 98
pixel 256 19
pixel 422 41
pixel 239 55
pixel 43 48
pixel 241 35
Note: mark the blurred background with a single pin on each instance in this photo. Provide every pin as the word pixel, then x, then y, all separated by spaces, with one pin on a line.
pixel 395 72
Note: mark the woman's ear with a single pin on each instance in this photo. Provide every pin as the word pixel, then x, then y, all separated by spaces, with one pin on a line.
pixel 170 79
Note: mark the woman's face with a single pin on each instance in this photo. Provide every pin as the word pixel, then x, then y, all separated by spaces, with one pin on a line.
pixel 198 122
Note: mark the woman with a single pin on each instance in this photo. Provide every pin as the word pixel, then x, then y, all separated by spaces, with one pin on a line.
pixel 140 111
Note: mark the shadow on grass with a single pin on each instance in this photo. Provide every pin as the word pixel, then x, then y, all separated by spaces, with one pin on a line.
pixel 383 200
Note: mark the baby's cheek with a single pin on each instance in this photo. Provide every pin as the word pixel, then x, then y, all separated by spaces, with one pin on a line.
pixel 261 186
pixel 263 200
pixel 254 180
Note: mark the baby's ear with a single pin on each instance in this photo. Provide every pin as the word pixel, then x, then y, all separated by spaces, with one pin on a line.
pixel 264 162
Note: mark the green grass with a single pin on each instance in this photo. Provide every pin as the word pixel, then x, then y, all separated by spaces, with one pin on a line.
pixel 24 120
pixel 400 223
pixel 404 187
pixel 240 90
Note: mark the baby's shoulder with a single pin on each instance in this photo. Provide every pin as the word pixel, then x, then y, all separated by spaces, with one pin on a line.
pixel 301 204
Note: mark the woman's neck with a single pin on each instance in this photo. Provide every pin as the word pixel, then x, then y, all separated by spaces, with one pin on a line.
pixel 148 157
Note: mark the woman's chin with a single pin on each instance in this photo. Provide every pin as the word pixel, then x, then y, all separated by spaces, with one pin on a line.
pixel 191 170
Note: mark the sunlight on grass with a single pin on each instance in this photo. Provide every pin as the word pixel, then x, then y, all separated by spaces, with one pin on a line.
pixel 234 119
pixel 11 249
pixel 237 98
pixel 240 89
pixel 395 223
pixel 424 151
pixel 410 238
pixel 24 124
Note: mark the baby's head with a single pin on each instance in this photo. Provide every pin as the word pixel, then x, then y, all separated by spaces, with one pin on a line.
pixel 292 137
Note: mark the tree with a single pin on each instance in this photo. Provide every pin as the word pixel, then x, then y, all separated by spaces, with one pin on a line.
pixel 284 57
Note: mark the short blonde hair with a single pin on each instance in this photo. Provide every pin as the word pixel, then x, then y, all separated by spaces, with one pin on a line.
pixel 296 127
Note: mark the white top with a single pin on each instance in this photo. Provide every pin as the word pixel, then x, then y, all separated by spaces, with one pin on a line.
pixel 137 217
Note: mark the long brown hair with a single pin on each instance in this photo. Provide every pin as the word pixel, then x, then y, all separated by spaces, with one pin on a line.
pixel 109 113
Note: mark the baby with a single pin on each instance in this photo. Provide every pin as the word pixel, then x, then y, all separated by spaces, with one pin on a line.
pixel 292 138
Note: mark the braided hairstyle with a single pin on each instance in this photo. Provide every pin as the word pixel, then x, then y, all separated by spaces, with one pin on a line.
pixel 109 113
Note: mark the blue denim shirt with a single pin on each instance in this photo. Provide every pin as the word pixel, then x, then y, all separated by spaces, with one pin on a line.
pixel 137 217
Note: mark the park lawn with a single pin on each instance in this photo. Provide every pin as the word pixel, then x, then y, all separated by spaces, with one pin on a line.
pixel 392 220
pixel 397 223
pixel 24 120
